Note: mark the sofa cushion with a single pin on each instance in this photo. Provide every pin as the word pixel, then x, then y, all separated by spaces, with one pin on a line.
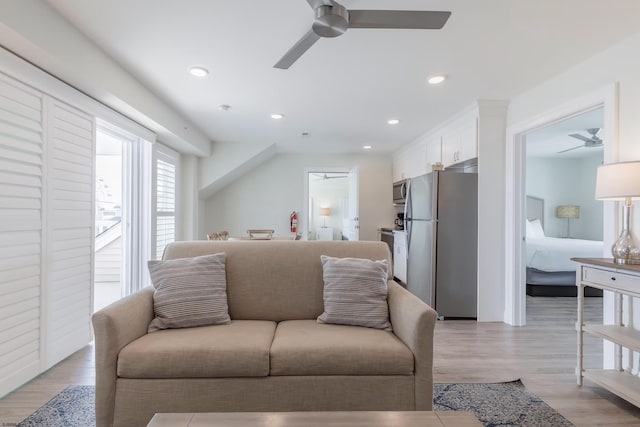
pixel 238 349
pixel 189 292
pixel 355 292
pixel 305 347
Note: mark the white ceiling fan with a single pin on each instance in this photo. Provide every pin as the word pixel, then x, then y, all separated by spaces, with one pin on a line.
pixel 332 20
pixel 590 141
pixel 329 176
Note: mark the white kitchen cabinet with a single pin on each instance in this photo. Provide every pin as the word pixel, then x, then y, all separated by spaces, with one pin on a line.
pixel 400 256
pixel 460 140
pixel 410 162
pixel 434 151
pixel 621 280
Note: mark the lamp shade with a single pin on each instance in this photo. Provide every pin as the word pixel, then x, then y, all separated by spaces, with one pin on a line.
pixel 617 181
pixel 325 211
pixel 568 211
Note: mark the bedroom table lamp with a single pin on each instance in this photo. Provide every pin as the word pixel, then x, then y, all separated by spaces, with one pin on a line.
pixel 325 212
pixel 621 182
pixel 569 212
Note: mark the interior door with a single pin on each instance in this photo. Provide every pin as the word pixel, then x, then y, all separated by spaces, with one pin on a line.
pixel 352 219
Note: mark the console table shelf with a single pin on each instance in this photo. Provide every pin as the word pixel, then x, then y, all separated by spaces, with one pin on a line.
pixel 626 337
pixel 623 280
pixel 621 383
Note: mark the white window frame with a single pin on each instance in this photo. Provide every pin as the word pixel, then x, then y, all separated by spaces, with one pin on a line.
pixel 136 207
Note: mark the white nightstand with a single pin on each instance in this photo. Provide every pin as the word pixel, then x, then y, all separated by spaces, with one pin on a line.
pixel 324 233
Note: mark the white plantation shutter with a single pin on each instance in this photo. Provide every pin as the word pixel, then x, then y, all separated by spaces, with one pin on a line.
pixel 70 171
pixel 165 184
pixel 21 190
pixel 46 229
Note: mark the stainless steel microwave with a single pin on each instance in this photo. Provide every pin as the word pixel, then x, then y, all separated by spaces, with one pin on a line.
pixel 399 192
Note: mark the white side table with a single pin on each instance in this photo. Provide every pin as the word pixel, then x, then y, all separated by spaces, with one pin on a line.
pixel 324 233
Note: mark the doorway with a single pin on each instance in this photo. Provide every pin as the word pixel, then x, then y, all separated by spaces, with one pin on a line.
pixel 108 219
pixel 562 218
pixel 515 197
pixel 331 204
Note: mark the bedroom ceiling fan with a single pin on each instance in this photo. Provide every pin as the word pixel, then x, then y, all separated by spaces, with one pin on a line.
pixel 332 176
pixel 589 141
pixel 332 20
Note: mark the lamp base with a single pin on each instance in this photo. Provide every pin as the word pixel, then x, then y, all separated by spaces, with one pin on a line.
pixel 625 250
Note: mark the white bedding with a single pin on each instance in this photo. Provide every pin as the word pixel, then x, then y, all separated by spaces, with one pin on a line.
pixel 554 254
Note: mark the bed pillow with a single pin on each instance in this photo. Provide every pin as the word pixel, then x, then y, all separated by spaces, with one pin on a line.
pixel 189 292
pixel 355 292
pixel 536 229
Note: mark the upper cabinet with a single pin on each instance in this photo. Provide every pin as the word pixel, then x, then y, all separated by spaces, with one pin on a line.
pixel 411 161
pixel 460 140
pixel 454 141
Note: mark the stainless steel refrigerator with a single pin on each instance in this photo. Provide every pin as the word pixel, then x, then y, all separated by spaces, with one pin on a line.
pixel 441 220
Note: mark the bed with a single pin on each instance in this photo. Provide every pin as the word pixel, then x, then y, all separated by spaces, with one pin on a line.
pixel 550 271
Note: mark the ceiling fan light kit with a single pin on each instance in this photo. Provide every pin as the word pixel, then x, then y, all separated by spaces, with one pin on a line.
pixel 331 19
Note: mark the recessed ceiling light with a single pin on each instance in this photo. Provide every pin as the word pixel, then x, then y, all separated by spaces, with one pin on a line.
pixel 367 147
pixel 393 121
pixel 277 116
pixel 436 80
pixel 199 71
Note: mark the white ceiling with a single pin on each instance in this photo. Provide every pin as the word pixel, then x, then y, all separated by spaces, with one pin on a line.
pixel 343 90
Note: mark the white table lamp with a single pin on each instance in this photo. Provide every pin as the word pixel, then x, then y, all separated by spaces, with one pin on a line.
pixel 621 182
pixel 325 212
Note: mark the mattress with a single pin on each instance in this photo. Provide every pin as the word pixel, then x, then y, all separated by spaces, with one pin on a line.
pixel 554 254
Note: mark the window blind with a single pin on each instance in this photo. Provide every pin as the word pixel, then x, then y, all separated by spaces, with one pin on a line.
pixel 165 180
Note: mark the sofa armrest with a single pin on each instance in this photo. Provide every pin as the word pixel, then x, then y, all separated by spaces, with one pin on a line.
pixel 413 321
pixel 114 327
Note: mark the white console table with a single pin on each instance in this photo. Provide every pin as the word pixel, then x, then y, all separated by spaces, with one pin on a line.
pixel 324 233
pixel 622 280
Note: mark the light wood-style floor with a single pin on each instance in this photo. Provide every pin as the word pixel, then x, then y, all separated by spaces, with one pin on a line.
pixel 542 354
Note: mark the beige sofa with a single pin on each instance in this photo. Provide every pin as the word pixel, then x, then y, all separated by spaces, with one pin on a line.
pixel 273 356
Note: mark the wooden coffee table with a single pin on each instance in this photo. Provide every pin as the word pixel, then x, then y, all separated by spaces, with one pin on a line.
pixel 317 419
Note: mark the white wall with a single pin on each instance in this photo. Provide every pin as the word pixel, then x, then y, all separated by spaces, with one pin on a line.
pixel 619 64
pixel 264 197
pixel 567 182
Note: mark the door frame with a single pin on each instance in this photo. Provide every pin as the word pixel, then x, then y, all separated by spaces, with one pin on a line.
pixel 515 191
pixel 303 218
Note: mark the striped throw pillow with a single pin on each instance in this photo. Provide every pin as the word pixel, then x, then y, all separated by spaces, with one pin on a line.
pixel 189 292
pixel 355 292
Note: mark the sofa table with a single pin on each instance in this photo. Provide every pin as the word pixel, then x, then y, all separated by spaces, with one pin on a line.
pixel 318 419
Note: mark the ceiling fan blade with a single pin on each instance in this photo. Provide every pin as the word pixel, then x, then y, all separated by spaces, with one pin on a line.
pixel 297 50
pixel 317 3
pixel 410 19
pixel 569 149
pixel 581 137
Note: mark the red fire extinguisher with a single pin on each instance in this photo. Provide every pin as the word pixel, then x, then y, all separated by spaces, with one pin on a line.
pixel 293 218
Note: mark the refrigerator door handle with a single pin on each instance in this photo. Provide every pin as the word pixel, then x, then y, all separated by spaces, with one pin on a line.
pixel 409 225
pixel 408 212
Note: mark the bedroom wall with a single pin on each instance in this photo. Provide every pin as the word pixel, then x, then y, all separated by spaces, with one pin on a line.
pixel 567 182
pixel 264 197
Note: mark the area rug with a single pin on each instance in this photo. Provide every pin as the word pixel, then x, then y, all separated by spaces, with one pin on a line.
pixel 499 404
pixel 72 407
